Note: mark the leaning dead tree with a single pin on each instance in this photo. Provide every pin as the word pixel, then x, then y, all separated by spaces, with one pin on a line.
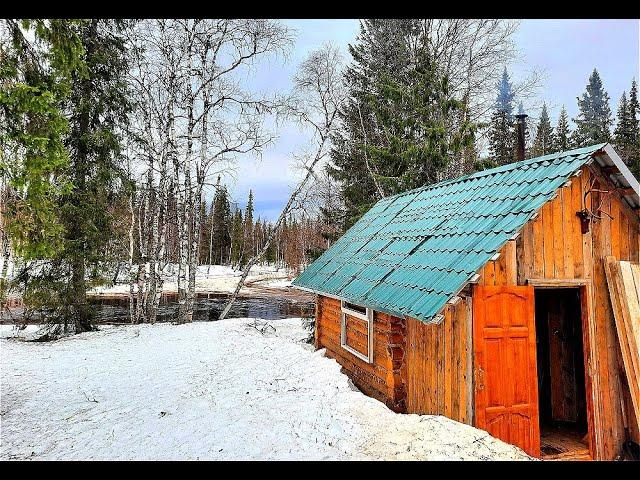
pixel 317 97
pixel 196 119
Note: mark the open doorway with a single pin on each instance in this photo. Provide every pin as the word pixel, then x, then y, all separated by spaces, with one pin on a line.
pixel 561 374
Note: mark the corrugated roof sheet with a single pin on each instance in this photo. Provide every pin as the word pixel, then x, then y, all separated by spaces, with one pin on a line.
pixel 412 252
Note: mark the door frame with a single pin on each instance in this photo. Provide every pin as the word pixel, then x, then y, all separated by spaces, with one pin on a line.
pixel 589 352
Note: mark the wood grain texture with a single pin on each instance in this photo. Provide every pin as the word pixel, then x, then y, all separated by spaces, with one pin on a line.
pixel 439 369
pixel 438 364
pixel 544 241
pixel 626 307
pixel 506 393
pixel 427 368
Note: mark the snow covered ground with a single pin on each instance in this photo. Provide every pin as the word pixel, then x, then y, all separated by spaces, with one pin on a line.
pixel 211 278
pixel 219 390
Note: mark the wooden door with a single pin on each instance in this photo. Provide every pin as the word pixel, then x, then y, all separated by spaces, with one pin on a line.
pixel 506 383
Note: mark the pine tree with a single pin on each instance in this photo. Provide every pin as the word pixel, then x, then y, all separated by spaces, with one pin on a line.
pixel 561 139
pixel 593 124
pixel 502 129
pixel 544 141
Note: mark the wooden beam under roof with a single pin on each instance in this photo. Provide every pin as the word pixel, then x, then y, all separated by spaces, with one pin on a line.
pixel 610 169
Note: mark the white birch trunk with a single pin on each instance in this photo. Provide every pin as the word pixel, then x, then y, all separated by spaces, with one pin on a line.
pixel 132 227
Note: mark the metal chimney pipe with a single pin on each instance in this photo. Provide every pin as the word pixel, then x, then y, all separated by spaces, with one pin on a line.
pixel 520 126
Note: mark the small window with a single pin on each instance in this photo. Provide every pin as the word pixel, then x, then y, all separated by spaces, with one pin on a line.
pixel 356 326
pixel 354 310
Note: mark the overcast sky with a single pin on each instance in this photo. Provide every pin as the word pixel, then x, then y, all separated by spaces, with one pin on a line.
pixel 565 50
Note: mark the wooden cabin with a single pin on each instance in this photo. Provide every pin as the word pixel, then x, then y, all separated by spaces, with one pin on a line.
pixel 484 299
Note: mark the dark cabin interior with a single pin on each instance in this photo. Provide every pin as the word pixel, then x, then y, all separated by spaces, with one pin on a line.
pixel 561 374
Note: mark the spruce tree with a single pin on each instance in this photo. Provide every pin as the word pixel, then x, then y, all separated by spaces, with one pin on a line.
pixel 502 128
pixel 544 140
pixel 506 95
pixel 391 68
pixel 593 123
pixel 270 254
pixel 205 234
pixel 380 49
pixel 221 227
pixel 561 138
pixel 34 160
pixel 527 133
pixel 99 105
pixel 248 244
pixel 502 139
pixel 417 146
pixel 237 239
pixel 634 108
pixel 96 104
pixel 634 119
pixel 625 134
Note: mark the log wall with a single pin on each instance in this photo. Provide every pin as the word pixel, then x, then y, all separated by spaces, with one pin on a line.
pixel 417 368
pixel 384 379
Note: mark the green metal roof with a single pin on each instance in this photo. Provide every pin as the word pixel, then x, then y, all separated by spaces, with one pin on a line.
pixel 412 252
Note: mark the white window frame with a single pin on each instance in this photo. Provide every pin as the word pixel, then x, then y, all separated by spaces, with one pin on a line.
pixel 368 318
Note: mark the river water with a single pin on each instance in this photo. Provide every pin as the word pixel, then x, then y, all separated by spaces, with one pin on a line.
pixel 208 306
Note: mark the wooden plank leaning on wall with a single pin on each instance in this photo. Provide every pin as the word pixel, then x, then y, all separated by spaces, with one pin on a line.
pixel 625 299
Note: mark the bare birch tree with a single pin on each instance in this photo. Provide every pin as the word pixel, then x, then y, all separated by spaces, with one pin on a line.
pixel 196 119
pixel 317 97
pixel 156 77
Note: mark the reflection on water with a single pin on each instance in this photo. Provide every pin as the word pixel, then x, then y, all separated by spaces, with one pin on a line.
pixel 208 307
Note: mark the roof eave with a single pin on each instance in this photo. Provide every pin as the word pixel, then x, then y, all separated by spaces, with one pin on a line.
pixel 435 319
pixel 624 178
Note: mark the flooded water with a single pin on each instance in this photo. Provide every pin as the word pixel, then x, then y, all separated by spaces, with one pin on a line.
pixel 270 305
pixel 208 307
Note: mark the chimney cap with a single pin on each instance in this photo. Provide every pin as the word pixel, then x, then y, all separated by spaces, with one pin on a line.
pixel 521 115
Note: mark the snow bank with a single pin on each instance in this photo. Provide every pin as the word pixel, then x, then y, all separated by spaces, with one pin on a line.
pixel 219 390
pixel 209 278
